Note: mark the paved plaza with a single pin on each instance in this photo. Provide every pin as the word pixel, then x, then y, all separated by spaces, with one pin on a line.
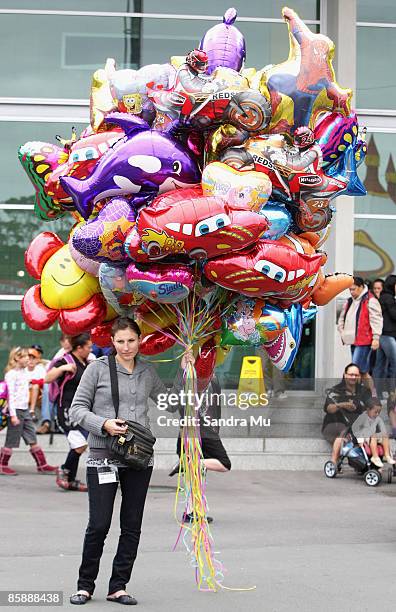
pixel 308 544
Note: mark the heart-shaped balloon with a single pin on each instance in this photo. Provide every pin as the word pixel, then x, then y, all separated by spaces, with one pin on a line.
pixel 165 284
pixel 248 189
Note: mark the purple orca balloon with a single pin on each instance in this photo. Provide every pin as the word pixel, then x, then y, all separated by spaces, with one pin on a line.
pixel 102 238
pixel 224 44
pixel 145 162
pixel 165 284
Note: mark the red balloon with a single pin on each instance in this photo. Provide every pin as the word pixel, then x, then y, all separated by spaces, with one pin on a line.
pixel 205 364
pixel 101 334
pixel 39 251
pixel 156 343
pixel 82 319
pixel 35 313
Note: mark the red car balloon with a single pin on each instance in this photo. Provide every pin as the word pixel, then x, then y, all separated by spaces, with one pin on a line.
pixel 186 222
pixel 269 269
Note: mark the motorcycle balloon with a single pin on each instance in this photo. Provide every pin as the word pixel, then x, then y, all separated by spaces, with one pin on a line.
pixel 157 342
pixel 39 252
pixel 248 189
pixel 279 220
pixel 165 284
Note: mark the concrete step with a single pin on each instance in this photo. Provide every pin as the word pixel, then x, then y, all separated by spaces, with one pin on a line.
pixel 245 453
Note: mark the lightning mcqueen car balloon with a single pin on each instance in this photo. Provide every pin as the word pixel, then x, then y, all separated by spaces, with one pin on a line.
pixel 186 222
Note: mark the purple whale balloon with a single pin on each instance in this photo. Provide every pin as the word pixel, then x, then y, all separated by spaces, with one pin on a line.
pixel 162 283
pixel 224 44
pixel 144 163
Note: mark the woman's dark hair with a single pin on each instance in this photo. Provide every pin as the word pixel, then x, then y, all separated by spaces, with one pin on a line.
pixel 349 366
pixel 378 280
pixel 79 340
pixel 125 323
pixel 358 281
pixel 389 284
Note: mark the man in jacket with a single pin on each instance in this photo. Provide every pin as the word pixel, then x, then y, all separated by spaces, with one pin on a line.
pixel 360 325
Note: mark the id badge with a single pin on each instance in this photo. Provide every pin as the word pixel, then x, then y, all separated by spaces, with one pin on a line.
pixel 107 474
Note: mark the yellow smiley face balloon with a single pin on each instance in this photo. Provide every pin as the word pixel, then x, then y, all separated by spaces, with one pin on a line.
pixel 246 188
pixel 64 284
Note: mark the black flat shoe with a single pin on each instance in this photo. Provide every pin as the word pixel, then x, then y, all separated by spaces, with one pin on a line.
pixel 79 599
pixel 126 600
pixel 174 470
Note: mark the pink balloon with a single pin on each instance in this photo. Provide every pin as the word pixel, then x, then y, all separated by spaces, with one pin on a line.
pixel 166 283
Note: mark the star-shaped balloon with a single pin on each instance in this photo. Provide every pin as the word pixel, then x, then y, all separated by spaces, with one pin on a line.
pixel 303 86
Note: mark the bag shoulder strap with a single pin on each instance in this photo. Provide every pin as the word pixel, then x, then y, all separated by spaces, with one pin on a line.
pixel 114 383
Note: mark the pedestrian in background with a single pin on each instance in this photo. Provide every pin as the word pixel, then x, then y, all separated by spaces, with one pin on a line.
pixel 20 422
pixel 360 326
pixel 386 359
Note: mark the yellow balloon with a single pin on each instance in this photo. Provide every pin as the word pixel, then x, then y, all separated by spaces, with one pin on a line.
pixel 150 321
pixel 64 284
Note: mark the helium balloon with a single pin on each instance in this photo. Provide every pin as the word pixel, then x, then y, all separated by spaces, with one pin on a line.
pixel 224 44
pixel 251 323
pixel 165 284
pixel 157 342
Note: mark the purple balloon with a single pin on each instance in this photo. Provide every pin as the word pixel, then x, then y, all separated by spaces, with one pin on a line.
pixel 224 44
pixel 162 283
pixel 145 162
pixel 102 238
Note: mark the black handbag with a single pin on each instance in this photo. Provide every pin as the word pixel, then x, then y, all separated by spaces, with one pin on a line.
pixel 135 447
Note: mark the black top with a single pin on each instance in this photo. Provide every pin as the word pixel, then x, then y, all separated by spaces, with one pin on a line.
pixel 68 391
pixel 339 393
pixel 388 305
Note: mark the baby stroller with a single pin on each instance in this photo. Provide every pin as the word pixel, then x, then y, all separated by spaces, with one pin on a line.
pixel 358 458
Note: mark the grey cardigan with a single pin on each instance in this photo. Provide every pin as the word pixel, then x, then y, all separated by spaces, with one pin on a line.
pixel 93 404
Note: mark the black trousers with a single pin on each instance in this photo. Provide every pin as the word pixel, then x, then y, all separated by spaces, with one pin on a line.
pixel 134 486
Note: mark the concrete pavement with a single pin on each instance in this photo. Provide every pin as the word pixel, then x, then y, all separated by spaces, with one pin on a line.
pixel 308 544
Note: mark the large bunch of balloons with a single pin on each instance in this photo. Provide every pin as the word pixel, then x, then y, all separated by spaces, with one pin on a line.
pixel 201 193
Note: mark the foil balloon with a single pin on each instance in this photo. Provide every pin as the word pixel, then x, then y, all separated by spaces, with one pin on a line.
pixel 282 351
pixel 154 321
pixel 224 44
pixel 86 264
pixel 187 223
pixel 279 219
pixel 247 189
pixel 39 159
pixel 101 100
pixel 102 238
pixel 83 155
pixel 40 250
pixel 304 85
pixel 101 334
pixel 251 323
pixel 165 284
pixel 268 269
pixel 157 342
pixel 205 364
pixel 116 289
pixel 130 88
pixel 346 169
pixel 334 133
pixel 145 163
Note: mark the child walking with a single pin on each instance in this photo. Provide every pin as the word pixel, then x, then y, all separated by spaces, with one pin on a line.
pixel 20 422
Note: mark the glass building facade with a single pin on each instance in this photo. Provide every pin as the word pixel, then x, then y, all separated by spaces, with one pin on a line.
pixel 51 49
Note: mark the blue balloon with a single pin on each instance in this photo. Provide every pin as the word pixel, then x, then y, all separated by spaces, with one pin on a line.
pixel 279 219
pixel 346 168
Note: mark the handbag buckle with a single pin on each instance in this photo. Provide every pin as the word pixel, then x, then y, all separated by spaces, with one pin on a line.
pixel 121 440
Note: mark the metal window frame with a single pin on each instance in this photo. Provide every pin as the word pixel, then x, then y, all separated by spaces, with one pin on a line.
pixel 62 13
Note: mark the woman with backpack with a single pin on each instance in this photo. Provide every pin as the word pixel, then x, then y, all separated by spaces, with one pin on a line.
pixel 64 377
pixel 20 422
